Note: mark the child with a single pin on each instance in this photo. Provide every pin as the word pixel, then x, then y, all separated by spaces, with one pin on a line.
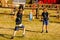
pixel 19 23
pixel 30 16
pixel 45 19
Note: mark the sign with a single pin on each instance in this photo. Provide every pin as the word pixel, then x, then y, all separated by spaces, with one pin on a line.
pixel 16 2
pixel 19 1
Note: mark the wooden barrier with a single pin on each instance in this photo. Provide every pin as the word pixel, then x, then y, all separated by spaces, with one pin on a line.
pixel 49 6
pixel 28 8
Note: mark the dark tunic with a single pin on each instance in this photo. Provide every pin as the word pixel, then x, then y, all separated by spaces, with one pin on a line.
pixel 45 15
pixel 19 18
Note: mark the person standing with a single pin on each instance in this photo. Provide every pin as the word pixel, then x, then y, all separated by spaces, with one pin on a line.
pixel 45 17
